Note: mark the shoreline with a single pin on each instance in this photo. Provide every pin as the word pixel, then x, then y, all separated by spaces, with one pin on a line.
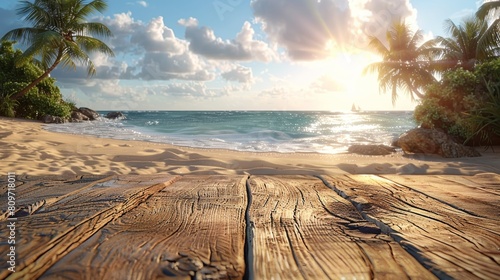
pixel 29 149
pixel 285 132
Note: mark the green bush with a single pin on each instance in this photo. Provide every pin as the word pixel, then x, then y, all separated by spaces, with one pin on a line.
pixel 7 105
pixel 486 119
pixel 43 99
pixel 463 102
pixel 34 106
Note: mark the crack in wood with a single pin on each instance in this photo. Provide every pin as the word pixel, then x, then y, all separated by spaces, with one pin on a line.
pixel 41 258
pixel 249 235
pixel 256 227
pixel 417 231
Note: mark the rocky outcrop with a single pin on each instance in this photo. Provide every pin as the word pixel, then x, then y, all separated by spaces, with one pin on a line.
pixel 372 150
pixel 52 119
pixel 115 115
pixel 77 116
pixel 91 114
pixel 431 141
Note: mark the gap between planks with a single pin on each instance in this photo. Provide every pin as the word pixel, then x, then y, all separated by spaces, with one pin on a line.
pixel 303 230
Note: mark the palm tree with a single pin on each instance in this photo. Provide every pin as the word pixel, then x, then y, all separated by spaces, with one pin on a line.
pixel 487 8
pixel 59 34
pixel 474 40
pixel 406 63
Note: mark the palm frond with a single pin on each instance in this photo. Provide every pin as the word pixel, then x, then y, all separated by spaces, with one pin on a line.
pixel 372 68
pixel 91 8
pixel 42 45
pixel 377 45
pixel 34 12
pixel 489 42
pixel 394 92
pixel 486 8
pixel 22 35
pixel 93 29
pixel 90 45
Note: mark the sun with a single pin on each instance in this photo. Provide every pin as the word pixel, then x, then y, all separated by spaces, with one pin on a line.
pixel 346 68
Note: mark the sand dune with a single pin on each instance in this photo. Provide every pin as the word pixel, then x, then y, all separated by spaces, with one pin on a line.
pixel 26 148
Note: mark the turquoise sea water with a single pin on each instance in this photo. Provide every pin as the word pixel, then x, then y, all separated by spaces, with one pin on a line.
pixel 256 131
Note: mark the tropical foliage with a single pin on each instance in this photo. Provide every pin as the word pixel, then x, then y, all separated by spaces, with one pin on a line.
pixel 409 65
pixel 472 41
pixel 488 9
pixel 406 61
pixel 60 35
pixel 465 103
pixel 44 98
pixel 486 120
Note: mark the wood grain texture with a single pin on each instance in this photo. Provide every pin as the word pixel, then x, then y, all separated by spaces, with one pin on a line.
pixel 46 236
pixel 193 229
pixel 467 194
pixel 442 233
pixel 300 229
pixel 33 193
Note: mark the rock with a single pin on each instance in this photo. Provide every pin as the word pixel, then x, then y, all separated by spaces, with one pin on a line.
pixel 115 115
pixel 91 114
pixel 372 150
pixel 52 119
pixel 77 116
pixel 431 141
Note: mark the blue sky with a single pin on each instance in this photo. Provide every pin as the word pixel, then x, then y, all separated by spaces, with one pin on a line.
pixel 244 55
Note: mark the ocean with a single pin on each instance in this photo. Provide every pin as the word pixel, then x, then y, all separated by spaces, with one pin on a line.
pixel 254 131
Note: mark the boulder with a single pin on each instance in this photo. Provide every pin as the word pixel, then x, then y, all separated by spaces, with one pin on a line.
pixel 52 119
pixel 77 116
pixel 115 115
pixel 91 114
pixel 372 150
pixel 431 141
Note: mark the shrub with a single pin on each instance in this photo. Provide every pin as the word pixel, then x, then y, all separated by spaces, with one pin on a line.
pixel 34 106
pixel 7 105
pixel 486 119
pixel 43 99
pixel 463 102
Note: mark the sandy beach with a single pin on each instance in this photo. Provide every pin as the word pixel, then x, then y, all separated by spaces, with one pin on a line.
pixel 28 149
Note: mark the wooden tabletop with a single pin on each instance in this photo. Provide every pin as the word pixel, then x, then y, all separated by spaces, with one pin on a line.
pixel 254 227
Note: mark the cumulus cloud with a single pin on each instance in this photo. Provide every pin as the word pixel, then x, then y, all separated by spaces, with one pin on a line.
pixel 160 55
pixel 107 93
pixel 239 74
pixel 191 89
pixel 310 29
pixel 123 26
pixel 382 13
pixel 304 27
pixel 156 37
pixel 244 47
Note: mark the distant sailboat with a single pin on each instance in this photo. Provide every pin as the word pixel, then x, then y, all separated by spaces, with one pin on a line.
pixel 354 108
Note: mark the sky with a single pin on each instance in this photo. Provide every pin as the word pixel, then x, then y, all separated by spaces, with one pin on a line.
pixel 244 55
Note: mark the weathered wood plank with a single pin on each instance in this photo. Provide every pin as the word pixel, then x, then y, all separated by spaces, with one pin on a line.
pixel 34 193
pixel 303 230
pixel 450 241
pixel 193 229
pixel 460 192
pixel 48 235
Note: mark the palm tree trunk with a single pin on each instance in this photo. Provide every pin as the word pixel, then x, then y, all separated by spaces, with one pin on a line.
pixel 25 90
